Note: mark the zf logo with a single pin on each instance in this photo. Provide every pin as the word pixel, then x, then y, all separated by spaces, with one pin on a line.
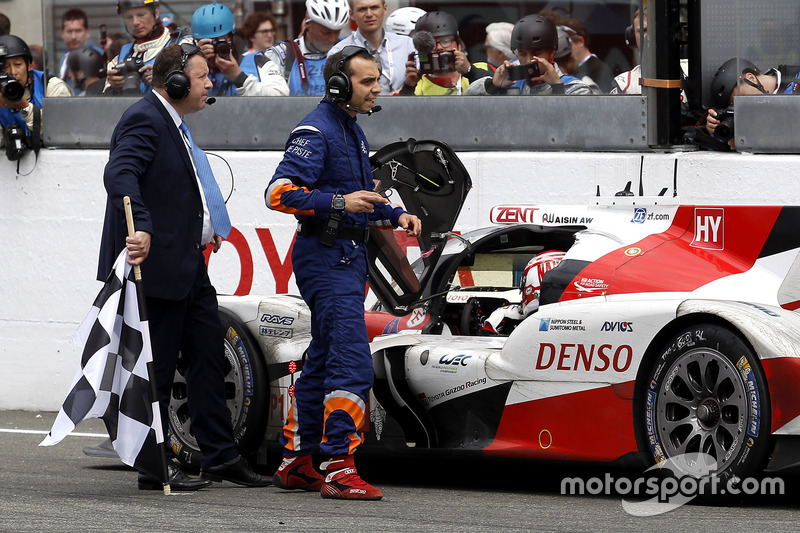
pixel 639 215
pixel 709 228
pixel 617 326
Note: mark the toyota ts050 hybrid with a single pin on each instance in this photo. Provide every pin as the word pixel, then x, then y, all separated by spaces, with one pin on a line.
pixel 666 329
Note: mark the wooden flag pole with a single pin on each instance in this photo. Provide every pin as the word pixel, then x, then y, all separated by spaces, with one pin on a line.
pixel 137 274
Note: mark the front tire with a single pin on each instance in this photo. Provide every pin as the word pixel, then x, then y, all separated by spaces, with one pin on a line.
pixel 706 394
pixel 246 394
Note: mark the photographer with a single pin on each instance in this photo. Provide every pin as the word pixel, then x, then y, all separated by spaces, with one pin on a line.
pixel 736 76
pixel 534 41
pixel 131 72
pixel 440 67
pixel 21 94
pixel 212 30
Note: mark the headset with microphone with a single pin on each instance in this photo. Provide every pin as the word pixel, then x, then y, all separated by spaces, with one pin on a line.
pixel 339 86
pixel 177 83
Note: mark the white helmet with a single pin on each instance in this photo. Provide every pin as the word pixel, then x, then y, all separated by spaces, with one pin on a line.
pixel 402 21
pixel 333 14
pixel 531 282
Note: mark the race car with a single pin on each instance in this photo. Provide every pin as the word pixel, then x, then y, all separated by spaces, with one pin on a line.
pixel 667 329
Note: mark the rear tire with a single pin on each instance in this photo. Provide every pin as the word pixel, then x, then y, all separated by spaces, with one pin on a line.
pixel 246 393
pixel 706 394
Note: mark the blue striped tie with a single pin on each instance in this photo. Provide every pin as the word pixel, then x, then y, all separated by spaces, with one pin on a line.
pixel 214 201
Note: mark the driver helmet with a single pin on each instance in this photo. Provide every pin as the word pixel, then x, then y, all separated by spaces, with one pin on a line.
pixel 212 20
pixel 534 32
pixel 437 23
pixel 402 21
pixel 333 14
pixel 531 282
pixel 16 47
pixel 727 77
pixel 124 5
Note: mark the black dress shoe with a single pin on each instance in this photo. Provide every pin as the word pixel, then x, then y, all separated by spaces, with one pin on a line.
pixel 236 471
pixel 178 481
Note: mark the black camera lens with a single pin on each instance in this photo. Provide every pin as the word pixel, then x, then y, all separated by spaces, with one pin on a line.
pixel 10 88
pixel 724 130
pixel 222 49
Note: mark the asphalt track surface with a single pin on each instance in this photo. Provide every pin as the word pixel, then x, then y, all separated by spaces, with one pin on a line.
pixel 61 489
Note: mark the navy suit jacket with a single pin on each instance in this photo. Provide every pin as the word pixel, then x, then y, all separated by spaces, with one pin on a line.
pixel 149 162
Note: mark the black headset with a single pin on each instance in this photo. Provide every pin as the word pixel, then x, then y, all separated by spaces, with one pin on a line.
pixel 177 83
pixel 339 86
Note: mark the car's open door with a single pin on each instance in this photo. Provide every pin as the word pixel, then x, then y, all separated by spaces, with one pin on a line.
pixel 432 183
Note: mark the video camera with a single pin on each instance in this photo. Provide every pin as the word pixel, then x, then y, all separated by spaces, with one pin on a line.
pixel 437 62
pixel 10 88
pixel 724 130
pixel 130 70
pixel 16 141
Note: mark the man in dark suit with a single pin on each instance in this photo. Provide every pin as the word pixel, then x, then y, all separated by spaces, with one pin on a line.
pixel 177 209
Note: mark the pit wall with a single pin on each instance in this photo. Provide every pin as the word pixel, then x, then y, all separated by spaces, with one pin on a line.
pixel 52 218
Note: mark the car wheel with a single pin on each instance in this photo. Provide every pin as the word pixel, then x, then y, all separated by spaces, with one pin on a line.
pixel 246 394
pixel 706 394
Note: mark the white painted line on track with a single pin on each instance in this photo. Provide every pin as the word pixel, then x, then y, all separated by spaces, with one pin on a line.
pixel 40 432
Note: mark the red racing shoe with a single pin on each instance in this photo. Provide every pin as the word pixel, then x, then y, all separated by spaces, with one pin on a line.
pixel 297 472
pixel 342 482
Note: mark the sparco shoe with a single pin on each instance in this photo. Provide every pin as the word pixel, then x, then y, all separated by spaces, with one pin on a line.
pixel 342 482
pixel 297 473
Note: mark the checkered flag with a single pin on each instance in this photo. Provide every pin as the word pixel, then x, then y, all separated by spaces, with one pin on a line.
pixel 113 381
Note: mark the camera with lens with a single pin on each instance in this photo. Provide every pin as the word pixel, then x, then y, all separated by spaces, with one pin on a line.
pixel 16 141
pixel 130 70
pixel 10 88
pixel 523 72
pixel 222 47
pixel 437 62
pixel 724 130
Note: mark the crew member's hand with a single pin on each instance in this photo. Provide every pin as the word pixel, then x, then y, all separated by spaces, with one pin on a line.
pixel 138 247
pixel 146 73
pixel 412 74
pixel 462 63
pixel 115 79
pixel 217 242
pixel 362 201
pixel 411 223
pixel 711 121
pixel 228 67
pixel 500 78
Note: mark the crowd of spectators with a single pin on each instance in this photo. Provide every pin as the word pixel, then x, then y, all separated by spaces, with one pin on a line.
pixel 418 53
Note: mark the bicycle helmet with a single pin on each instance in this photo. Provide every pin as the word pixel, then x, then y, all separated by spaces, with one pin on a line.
pixel 402 21
pixel 333 14
pixel 212 20
pixel 727 77
pixel 534 32
pixel 16 47
pixel 437 23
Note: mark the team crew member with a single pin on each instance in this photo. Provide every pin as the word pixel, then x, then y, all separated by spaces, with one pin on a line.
pixel 392 49
pixel 325 180
pixel 178 209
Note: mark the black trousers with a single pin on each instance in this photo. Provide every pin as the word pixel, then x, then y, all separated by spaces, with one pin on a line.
pixel 192 327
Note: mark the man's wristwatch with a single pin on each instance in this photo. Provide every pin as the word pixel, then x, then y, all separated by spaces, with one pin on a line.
pixel 338 203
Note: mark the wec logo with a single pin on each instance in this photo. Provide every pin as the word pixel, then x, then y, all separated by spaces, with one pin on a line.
pixel 617 326
pixel 454 360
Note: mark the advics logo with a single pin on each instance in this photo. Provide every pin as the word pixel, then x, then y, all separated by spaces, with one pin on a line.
pixel 617 326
